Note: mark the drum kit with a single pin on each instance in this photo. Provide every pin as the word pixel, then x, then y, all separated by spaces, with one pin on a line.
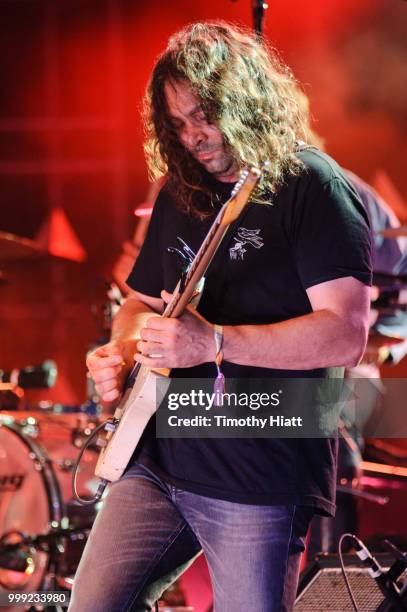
pixel 43 529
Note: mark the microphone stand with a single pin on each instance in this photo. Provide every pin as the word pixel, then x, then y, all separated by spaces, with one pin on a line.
pixel 259 7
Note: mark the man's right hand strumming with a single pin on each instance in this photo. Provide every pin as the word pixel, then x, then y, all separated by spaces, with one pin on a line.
pixel 108 369
pixel 110 364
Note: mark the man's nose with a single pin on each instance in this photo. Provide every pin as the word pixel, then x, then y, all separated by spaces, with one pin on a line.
pixel 192 136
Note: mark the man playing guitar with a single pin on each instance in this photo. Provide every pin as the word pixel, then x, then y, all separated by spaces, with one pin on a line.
pixel 289 294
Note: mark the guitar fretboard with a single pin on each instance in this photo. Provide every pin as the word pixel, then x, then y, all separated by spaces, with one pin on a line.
pixel 188 287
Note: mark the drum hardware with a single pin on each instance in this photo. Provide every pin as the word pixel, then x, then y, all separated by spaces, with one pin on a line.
pixel 51 409
pixel 10 396
pixel 32 377
pixel 11 388
pixel 44 529
pixel 13 382
pixel 29 425
pixel 12 557
pixel 81 434
pixel 44 541
pixel 40 463
pixel 66 465
pixel 19 556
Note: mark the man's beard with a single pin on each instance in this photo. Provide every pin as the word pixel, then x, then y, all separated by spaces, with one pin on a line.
pixel 220 166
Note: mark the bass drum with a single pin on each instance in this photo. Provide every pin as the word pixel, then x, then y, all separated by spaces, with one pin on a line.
pixel 37 454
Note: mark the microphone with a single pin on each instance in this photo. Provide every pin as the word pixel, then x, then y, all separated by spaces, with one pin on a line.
pixel 32 377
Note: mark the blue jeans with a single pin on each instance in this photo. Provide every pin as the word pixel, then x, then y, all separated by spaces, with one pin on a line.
pixel 148 532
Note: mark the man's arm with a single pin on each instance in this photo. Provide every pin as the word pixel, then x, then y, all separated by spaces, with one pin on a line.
pixel 334 334
pixel 109 364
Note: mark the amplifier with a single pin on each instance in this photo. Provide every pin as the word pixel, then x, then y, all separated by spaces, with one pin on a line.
pixel 322 587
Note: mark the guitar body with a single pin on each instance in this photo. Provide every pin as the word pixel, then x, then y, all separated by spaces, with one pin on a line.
pixel 137 406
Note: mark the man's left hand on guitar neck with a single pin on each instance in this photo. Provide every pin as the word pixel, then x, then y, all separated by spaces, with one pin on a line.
pixel 176 343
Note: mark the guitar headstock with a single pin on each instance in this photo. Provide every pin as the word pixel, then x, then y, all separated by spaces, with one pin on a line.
pixel 241 194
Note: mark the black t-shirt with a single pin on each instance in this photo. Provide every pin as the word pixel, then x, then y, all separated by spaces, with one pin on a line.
pixel 314 230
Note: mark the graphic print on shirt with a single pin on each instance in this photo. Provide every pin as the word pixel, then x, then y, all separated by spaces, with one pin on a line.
pixel 245 236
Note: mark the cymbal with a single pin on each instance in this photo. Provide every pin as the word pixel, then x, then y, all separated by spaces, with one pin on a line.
pixel 394 232
pixel 14 247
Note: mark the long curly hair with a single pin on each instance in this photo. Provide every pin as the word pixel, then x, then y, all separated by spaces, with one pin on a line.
pixel 244 88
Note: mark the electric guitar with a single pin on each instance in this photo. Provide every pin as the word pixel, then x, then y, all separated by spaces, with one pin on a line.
pixel 139 401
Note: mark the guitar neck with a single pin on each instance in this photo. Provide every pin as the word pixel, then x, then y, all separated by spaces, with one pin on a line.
pixel 197 268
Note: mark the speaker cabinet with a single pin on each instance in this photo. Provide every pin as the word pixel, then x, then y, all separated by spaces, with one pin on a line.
pixel 322 587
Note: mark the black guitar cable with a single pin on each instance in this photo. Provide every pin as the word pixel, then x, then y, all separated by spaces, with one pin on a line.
pixel 103 483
